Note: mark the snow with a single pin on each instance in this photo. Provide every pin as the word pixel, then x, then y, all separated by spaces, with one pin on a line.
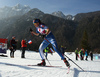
pixel 19 66
pixel 58 14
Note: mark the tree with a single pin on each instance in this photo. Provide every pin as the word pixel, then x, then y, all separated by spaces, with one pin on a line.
pixel 84 41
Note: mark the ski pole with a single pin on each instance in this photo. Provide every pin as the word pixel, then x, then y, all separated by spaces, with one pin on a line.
pixel 48 61
pixel 74 62
pixel 66 56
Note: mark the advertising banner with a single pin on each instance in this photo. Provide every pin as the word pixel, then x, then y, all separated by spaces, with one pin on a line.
pixel 3 45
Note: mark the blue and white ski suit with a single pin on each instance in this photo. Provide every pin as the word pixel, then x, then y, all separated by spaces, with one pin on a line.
pixel 42 30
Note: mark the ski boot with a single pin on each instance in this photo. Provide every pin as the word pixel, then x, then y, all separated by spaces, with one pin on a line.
pixel 43 63
pixel 66 62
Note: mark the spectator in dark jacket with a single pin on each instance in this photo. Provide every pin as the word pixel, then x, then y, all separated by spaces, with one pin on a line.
pixel 91 55
pixel 13 43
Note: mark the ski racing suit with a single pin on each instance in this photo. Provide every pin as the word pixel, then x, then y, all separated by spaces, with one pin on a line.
pixel 49 39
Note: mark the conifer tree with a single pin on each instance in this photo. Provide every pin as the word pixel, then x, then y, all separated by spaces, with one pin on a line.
pixel 84 41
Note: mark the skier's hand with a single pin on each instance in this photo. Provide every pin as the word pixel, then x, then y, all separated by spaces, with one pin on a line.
pixel 31 30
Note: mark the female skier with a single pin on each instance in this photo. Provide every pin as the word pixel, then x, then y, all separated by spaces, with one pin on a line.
pixel 43 31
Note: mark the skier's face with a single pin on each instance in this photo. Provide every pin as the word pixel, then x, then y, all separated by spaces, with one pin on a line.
pixel 36 24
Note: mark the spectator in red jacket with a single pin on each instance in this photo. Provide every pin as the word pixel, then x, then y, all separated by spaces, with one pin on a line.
pixel 23 45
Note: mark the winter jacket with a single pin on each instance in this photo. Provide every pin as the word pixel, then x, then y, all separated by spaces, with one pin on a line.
pixel 13 43
pixel 81 52
pixel 23 43
pixel 76 51
pixel 86 54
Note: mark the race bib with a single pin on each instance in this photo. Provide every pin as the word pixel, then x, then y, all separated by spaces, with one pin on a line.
pixel 42 31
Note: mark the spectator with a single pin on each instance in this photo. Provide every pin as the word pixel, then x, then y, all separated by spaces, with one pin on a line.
pixel 13 43
pixel 76 52
pixel 81 54
pixel 91 55
pixel 24 45
pixel 86 54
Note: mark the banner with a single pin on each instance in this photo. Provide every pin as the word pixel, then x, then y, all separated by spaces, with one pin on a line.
pixel 3 45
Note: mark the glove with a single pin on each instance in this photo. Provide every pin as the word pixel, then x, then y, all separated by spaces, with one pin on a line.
pixel 31 30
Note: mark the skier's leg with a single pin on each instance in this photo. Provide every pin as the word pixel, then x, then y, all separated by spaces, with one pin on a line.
pixel 43 45
pixel 55 47
pixel 51 39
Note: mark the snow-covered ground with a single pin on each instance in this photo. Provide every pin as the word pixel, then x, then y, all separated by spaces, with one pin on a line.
pixel 19 68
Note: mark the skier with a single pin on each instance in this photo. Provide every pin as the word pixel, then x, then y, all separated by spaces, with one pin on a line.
pixel 24 45
pixel 13 43
pixel 43 31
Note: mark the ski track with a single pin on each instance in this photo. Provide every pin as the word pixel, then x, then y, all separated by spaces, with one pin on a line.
pixel 18 66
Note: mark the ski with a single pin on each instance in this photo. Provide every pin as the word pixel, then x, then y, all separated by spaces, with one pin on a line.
pixel 51 66
pixel 32 65
pixel 39 66
pixel 44 66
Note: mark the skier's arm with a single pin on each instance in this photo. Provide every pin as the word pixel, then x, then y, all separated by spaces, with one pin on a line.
pixel 37 34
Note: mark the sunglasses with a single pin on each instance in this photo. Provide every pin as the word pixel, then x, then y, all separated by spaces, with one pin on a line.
pixel 34 23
